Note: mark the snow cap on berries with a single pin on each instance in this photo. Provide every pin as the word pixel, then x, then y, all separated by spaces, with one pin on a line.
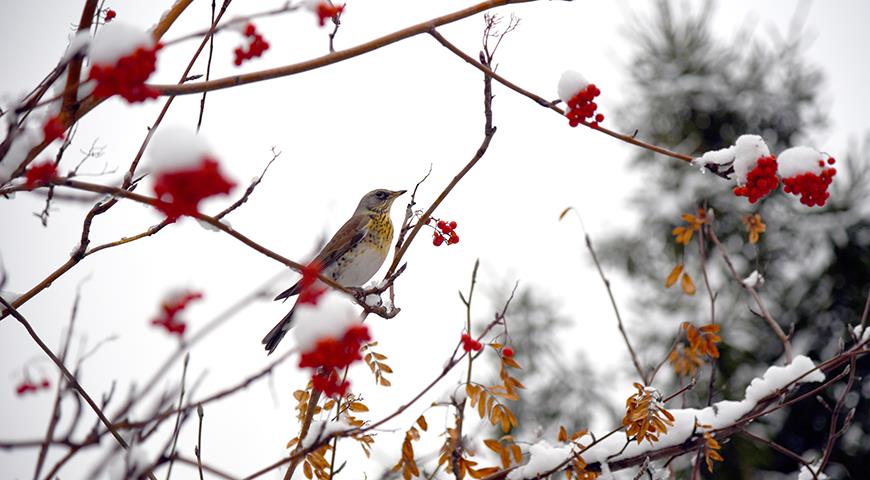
pixel 747 150
pixel 331 317
pixel 177 148
pixel 570 84
pixel 798 160
pixel 744 153
pixel 116 40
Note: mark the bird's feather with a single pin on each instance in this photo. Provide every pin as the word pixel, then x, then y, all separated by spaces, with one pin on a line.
pixel 347 237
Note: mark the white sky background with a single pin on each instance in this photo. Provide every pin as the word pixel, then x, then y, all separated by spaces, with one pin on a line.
pixel 370 122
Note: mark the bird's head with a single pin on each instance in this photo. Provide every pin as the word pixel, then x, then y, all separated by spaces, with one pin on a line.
pixel 379 200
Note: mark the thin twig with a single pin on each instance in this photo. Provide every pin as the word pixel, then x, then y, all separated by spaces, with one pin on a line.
pixel 619 324
pixel 177 429
pixel 69 376
pixel 55 411
pixel 198 450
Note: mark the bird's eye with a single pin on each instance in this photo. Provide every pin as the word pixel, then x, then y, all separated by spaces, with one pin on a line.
pixel 381 195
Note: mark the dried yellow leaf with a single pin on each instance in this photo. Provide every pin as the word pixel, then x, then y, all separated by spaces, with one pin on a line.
pixel 687 284
pixel 674 275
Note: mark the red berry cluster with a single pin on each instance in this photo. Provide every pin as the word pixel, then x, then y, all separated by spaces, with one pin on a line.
pixel 169 313
pixel 469 344
pixel 812 188
pixel 444 231
pixel 40 174
pixel 760 181
pixel 27 386
pixel 308 292
pixel 330 354
pixel 53 129
pixel 110 14
pixel 581 107
pixel 127 76
pixel 254 49
pixel 330 384
pixel 179 192
pixel 327 10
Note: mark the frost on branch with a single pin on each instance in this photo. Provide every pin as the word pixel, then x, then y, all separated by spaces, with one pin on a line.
pixel 543 458
pixel 719 415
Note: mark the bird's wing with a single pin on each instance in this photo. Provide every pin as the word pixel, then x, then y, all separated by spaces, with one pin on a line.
pixel 350 234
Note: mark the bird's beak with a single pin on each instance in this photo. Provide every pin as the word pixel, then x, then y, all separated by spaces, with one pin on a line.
pixel 398 193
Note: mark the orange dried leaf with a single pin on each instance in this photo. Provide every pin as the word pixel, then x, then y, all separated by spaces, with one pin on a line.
pixel 674 275
pixel 493 445
pixel 421 421
pixel 687 284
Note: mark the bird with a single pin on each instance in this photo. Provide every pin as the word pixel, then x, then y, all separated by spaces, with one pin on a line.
pixel 353 255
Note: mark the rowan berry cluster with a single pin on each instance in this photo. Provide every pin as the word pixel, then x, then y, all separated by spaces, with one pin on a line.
pixel 127 76
pixel 170 310
pixel 27 386
pixel 40 174
pixel 444 231
pixel 760 181
pixel 254 49
pixel 53 129
pixel 812 187
pixel 469 344
pixel 582 107
pixel 179 192
pixel 330 354
pixel 327 10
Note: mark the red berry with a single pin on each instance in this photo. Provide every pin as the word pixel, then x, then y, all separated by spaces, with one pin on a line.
pixel 452 225
pixel 508 352
pixel 442 225
pixel 454 238
pixel 45 383
pixel 437 240
pixel 831 161
pixel 250 30
pixel 110 14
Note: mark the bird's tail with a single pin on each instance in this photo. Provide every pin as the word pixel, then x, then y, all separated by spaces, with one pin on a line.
pixel 275 335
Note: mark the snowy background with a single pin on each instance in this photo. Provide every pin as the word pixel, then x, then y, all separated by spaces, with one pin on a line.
pixel 376 121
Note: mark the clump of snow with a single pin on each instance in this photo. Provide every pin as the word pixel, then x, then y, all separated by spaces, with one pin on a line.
pixel 807 472
pixel 116 40
pixel 719 415
pixel 79 43
pixel 543 457
pixel 177 148
pixel 798 160
pixel 861 333
pixel 570 84
pixel 744 153
pixel 321 429
pixel 23 142
pixel 753 280
pixel 373 300
pixel 331 317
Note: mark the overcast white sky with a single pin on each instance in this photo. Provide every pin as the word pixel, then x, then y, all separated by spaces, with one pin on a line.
pixel 377 121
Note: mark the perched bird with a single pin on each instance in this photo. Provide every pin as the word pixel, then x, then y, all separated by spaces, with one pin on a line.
pixel 353 255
